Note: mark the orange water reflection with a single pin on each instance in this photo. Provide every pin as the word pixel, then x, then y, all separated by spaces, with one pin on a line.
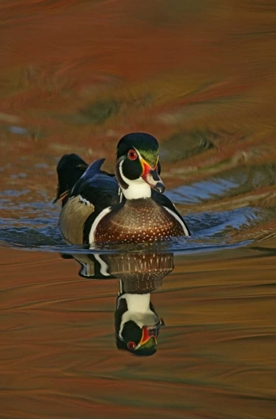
pixel 75 77
pixel 216 356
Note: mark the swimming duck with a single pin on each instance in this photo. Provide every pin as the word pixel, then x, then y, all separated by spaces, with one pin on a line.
pixel 130 207
pixel 136 321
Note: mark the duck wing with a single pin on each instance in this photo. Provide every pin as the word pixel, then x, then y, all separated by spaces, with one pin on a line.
pixel 94 191
pixel 97 187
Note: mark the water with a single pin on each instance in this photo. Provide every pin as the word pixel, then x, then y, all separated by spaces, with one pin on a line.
pixel 203 83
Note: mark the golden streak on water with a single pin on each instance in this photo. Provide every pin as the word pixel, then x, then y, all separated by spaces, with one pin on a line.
pixel 201 77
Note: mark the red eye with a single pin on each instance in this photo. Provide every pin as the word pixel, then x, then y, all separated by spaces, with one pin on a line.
pixel 132 155
pixel 131 345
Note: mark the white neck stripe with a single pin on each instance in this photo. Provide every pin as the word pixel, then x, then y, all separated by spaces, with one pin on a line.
pixel 96 222
pixel 137 188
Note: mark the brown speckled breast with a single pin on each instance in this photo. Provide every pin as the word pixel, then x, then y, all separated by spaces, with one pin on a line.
pixel 139 272
pixel 141 220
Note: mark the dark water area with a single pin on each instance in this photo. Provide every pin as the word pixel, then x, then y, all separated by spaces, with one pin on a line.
pixel 200 76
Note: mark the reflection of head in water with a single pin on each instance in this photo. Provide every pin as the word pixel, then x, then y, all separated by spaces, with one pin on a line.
pixel 136 324
pixel 136 321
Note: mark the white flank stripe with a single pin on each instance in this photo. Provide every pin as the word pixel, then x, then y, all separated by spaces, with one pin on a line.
pixel 96 222
pixel 104 267
pixel 186 232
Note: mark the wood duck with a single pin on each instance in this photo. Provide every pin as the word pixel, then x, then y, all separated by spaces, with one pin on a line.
pixel 130 207
pixel 136 321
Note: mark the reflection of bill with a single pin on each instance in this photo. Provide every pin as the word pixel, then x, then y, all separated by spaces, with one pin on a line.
pixel 137 324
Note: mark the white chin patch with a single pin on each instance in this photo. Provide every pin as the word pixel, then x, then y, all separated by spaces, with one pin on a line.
pixel 151 181
pixel 137 188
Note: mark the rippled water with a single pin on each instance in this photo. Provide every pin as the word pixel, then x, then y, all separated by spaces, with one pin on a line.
pixel 200 76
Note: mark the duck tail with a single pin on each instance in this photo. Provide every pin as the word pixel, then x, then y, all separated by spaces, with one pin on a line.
pixel 69 169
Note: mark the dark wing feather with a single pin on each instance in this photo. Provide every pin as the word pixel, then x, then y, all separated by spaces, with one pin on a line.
pixel 97 187
pixel 93 185
pixel 91 171
pixel 69 169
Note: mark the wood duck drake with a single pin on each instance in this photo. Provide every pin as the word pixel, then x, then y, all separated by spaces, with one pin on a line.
pixel 137 324
pixel 129 207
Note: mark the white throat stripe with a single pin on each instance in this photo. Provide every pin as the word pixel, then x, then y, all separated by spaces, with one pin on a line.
pixel 137 188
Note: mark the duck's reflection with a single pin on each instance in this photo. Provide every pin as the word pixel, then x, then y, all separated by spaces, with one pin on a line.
pixel 137 323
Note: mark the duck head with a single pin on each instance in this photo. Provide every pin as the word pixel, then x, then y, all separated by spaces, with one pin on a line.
pixel 138 167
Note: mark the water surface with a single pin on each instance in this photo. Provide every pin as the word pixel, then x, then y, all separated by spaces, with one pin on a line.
pixel 200 76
